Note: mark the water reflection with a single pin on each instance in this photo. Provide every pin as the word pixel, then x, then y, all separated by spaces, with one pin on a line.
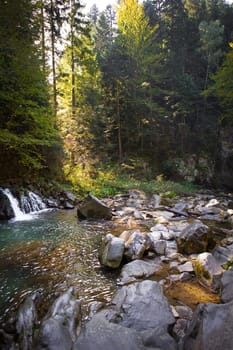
pixel 51 252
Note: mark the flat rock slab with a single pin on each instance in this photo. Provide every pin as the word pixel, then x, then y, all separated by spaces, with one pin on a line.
pixel 143 306
pixel 137 269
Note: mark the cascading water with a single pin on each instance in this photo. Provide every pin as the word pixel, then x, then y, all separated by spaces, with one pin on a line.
pixel 32 203
pixel 28 204
pixel 14 204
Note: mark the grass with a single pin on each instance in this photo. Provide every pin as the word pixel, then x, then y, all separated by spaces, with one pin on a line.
pixel 108 181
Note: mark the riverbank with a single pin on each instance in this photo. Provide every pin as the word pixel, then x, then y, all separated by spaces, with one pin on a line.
pixel 164 241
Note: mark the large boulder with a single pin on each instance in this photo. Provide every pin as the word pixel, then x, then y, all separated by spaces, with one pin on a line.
pixel 93 208
pixel 211 328
pixel 101 334
pixel 112 252
pixel 194 238
pixel 61 325
pixel 6 211
pixel 143 306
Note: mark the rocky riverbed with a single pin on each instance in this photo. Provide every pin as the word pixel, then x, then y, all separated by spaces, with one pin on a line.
pixel 174 289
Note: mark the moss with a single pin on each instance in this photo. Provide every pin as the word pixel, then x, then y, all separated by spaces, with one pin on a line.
pixel 200 270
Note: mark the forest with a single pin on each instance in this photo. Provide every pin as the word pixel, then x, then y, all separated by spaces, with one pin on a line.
pixel 142 87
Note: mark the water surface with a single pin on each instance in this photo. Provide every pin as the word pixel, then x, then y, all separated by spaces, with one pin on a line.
pixel 51 252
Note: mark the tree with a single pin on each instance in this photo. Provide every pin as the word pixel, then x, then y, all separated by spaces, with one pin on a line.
pixel 27 128
pixel 223 86
pixel 211 37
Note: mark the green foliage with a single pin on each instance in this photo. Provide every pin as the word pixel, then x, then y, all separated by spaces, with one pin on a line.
pixel 110 180
pixel 27 130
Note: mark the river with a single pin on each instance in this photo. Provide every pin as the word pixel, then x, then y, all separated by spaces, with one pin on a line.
pixel 51 251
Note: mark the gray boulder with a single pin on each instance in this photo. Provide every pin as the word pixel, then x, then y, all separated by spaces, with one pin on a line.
pixel 143 306
pixel 100 334
pixel 112 252
pixel 61 325
pixel 93 208
pixel 137 269
pixel 194 238
pixel 6 211
pixel 211 328
pixel 227 286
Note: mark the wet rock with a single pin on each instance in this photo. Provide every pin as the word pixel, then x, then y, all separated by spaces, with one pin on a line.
pixel 25 322
pixel 207 267
pixel 194 238
pixel 7 341
pixel 93 208
pixel 135 244
pixel 211 328
pixel 61 325
pixel 143 306
pixel 137 269
pixel 6 211
pixel 113 250
pixel 227 286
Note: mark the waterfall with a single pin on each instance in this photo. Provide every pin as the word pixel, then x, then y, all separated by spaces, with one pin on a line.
pixel 14 204
pixel 29 203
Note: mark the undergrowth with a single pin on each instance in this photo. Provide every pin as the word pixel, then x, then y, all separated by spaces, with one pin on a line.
pixel 111 180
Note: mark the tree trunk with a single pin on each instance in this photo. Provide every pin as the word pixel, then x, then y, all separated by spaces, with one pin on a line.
pixel 119 122
pixel 52 33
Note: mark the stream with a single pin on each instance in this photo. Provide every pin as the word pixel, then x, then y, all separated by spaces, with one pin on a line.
pixel 51 251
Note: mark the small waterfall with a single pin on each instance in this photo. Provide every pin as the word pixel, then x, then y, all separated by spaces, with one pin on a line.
pixel 29 203
pixel 14 204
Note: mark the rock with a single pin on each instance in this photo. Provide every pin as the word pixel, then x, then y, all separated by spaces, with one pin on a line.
pixel 68 205
pixel 186 267
pixel 53 336
pixel 113 250
pixel 160 247
pixel 25 322
pixel 99 334
pixel 136 244
pixel 155 201
pixel 180 327
pixel 163 231
pixel 223 254
pixel 93 208
pixel 143 306
pixel 207 267
pixel 194 238
pixel 211 328
pixel 70 196
pixel 185 312
pixel 61 325
pixel 6 211
pixel 137 269
pixel 227 286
